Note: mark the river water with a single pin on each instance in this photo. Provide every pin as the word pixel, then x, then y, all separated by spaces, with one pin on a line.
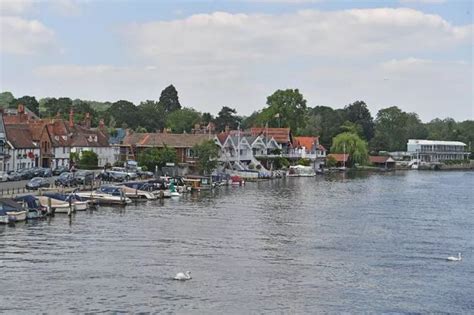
pixel 374 243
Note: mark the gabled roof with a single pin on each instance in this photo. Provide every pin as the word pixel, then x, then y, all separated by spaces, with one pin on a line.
pixel 339 157
pixel 307 142
pixel 19 135
pixel 281 135
pixel 174 140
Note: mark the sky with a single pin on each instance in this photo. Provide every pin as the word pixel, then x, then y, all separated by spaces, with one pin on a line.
pixel 414 54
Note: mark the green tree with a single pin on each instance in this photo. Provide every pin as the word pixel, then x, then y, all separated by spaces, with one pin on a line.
pixel 125 112
pixel 89 159
pixel 207 153
pixel 152 116
pixel 29 102
pixel 183 120
pixel 351 144
pixel 252 120
pixel 327 123
pixel 393 128
pixel 359 114
pixel 6 98
pixel 169 99
pixel 206 118
pixel 227 117
pixel 52 106
pixel 154 157
pixel 286 108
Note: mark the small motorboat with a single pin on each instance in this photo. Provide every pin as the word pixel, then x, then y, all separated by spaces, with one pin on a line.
pixel 136 193
pixel 11 211
pixel 106 195
pixel 34 209
pixel 58 206
pixel 78 203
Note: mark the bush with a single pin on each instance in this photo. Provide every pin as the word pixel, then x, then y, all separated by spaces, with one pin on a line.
pixel 89 159
pixel 304 162
pixel 331 161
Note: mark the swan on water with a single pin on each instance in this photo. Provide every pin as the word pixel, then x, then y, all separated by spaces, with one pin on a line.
pixel 183 276
pixel 453 258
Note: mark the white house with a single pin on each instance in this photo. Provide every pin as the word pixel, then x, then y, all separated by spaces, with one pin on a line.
pixel 436 151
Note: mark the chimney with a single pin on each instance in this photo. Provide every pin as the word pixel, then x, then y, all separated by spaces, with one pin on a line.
pixel 227 129
pixel 21 113
pixel 87 120
pixel 101 124
pixel 71 118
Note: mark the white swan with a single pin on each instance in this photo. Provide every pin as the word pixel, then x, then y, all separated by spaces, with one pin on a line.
pixel 452 258
pixel 183 276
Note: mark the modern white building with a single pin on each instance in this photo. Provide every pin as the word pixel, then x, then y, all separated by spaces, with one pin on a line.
pixel 436 151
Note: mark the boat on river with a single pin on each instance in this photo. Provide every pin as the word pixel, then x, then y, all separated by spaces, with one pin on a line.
pixel 11 211
pixel 135 193
pixel 79 203
pixel 33 207
pixel 58 206
pixel 301 171
pixel 106 195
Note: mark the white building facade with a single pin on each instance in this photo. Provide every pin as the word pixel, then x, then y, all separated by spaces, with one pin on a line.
pixel 436 151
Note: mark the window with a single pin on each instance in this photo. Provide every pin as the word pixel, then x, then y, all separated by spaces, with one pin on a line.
pixel 64 150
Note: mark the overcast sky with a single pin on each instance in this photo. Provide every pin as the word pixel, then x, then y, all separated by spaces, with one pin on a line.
pixel 414 54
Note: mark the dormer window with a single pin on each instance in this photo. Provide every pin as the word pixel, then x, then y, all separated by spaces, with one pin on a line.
pixel 56 138
pixel 64 138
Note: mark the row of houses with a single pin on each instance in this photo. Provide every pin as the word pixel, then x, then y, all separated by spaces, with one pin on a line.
pixel 238 149
pixel 27 141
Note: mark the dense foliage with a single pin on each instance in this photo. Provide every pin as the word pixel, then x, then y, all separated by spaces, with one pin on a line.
pixel 207 154
pixel 350 143
pixel 154 157
pixel 88 159
pixel 389 131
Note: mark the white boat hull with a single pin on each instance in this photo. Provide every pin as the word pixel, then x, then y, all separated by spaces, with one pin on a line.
pixel 16 216
pixel 4 219
pixel 105 199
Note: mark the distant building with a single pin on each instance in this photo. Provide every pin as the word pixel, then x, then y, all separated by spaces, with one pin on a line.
pixel 436 151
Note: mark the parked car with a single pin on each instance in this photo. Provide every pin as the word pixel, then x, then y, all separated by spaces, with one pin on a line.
pixel 46 172
pixel 3 176
pixel 84 177
pixel 129 175
pixel 144 174
pixel 26 173
pixel 14 176
pixel 112 176
pixel 59 170
pixel 36 183
pixel 66 179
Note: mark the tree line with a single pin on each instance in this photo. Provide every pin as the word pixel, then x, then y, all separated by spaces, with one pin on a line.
pixel 389 130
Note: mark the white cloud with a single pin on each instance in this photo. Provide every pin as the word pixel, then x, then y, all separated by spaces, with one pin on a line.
pixel 237 60
pixel 8 7
pixel 225 37
pixel 21 36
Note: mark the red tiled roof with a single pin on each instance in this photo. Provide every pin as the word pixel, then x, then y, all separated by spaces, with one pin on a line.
pixel 379 159
pixel 307 142
pixel 19 135
pixel 339 157
pixel 222 137
pixel 281 135
pixel 174 140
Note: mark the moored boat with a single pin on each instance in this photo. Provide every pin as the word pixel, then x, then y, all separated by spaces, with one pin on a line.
pixel 11 211
pixel 301 171
pixel 107 195
pixel 78 203
pixel 33 207
pixel 58 206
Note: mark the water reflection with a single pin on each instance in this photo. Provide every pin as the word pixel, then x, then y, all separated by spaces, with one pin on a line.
pixel 344 242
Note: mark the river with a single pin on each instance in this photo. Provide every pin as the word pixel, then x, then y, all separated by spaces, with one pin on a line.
pixel 363 243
